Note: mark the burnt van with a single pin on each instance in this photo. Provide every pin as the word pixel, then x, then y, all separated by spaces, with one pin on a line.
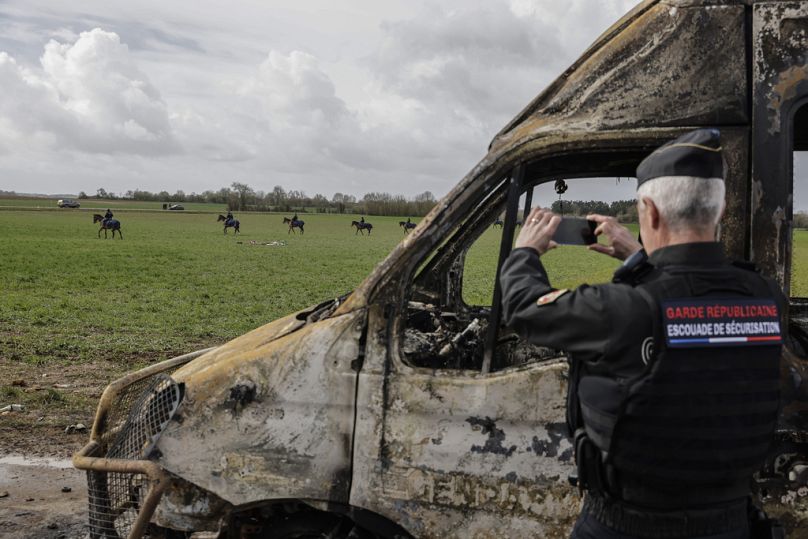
pixel 402 410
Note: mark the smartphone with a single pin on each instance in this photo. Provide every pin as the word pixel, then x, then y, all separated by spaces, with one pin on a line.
pixel 575 231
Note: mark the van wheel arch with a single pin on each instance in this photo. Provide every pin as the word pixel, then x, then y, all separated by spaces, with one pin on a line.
pixel 304 519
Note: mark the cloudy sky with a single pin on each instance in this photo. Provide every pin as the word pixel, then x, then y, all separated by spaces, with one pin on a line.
pixel 321 96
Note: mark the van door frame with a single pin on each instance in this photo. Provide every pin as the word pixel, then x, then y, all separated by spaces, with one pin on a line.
pixel 779 88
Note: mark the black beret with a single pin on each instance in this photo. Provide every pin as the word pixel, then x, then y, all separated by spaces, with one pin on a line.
pixel 696 154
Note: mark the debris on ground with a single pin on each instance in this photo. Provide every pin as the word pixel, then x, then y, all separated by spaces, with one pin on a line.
pixel 77 428
pixel 53 526
pixel 67 489
pixel 4 494
pixel 62 386
pixel 19 383
pixel 280 243
pixel 13 408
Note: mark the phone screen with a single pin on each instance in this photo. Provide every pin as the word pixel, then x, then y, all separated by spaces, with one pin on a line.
pixel 575 231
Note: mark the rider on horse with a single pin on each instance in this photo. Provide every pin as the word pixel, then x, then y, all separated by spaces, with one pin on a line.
pixel 108 215
pixel 229 218
pixel 362 219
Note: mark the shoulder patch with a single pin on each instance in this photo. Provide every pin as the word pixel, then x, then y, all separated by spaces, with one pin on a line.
pixel 707 322
pixel 550 297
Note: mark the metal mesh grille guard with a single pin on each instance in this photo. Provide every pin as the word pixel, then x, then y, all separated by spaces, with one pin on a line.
pixel 116 498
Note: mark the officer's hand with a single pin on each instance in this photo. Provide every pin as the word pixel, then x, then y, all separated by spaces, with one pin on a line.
pixel 621 242
pixel 537 231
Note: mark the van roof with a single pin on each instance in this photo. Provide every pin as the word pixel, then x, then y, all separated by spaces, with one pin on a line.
pixel 666 63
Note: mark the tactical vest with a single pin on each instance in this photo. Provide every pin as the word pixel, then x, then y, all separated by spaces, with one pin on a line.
pixel 694 426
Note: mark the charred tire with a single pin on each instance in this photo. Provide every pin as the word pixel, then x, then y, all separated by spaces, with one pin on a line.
pixel 315 525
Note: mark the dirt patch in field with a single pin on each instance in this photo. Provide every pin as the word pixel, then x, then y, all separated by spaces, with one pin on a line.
pixel 41 494
pixel 54 397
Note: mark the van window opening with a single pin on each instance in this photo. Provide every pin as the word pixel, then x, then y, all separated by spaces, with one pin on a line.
pixel 799 234
pixel 447 320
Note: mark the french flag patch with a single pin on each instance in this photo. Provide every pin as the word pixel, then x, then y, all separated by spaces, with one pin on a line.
pixel 721 322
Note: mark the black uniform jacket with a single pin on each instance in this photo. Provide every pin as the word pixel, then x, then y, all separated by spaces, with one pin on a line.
pixel 602 325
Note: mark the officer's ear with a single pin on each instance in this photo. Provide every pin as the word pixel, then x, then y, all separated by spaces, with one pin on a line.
pixel 653 212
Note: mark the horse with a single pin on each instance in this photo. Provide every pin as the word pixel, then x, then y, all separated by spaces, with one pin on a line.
pixel 407 226
pixel 293 223
pixel 362 226
pixel 107 224
pixel 228 223
pixel 498 223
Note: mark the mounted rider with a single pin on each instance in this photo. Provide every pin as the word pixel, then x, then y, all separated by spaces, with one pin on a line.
pixel 107 216
pixel 229 217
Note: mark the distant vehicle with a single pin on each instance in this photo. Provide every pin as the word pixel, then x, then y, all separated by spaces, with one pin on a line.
pixel 67 203
pixel 176 207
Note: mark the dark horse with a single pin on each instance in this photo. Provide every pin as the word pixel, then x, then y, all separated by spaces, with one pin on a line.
pixel 360 226
pixel 107 224
pixel 228 223
pixel 406 225
pixel 293 223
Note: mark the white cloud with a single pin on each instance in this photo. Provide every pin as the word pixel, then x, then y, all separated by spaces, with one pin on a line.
pixel 88 96
pixel 398 96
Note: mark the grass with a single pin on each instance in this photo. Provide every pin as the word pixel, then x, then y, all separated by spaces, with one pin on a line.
pixel 176 283
pixel 83 310
pixel 567 266
pixel 799 264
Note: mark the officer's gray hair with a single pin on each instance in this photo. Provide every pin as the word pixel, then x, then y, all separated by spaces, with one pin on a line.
pixel 685 202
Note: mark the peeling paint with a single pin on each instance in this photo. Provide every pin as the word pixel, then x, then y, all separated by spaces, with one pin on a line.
pixel 496 437
pixel 778 219
pixel 241 394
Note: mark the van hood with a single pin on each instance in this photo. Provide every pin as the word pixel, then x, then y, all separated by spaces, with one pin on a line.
pixel 259 337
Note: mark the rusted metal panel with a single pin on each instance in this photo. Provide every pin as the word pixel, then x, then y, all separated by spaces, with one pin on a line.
pixel 267 419
pixel 735 222
pixel 670 66
pixel 461 454
pixel 780 86
pixel 186 507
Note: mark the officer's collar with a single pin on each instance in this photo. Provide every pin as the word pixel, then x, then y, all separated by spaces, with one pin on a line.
pixel 705 253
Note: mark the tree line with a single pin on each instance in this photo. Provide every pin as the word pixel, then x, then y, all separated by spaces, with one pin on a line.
pixel 624 210
pixel 241 197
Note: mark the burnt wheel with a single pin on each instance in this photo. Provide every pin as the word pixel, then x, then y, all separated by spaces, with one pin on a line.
pixel 312 526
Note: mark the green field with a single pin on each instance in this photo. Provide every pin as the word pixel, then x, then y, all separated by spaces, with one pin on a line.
pixel 78 308
pixel 799 264
pixel 176 283
pixel 567 266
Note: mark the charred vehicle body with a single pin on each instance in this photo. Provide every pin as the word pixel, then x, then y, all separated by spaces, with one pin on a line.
pixel 400 410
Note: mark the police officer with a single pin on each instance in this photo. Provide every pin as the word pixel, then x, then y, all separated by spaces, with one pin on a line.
pixel 674 366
